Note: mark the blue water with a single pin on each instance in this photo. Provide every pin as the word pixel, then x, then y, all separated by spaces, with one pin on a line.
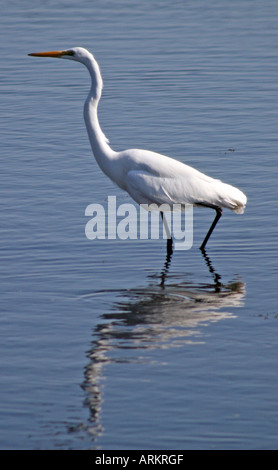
pixel 102 345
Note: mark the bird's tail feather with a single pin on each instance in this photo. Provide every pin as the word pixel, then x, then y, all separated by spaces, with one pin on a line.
pixel 232 198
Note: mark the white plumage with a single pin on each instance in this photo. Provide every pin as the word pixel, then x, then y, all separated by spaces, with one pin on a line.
pixel 147 176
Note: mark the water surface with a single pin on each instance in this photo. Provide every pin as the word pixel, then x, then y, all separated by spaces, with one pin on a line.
pixel 105 345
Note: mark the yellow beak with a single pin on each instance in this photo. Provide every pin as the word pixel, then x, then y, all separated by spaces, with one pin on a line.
pixel 51 54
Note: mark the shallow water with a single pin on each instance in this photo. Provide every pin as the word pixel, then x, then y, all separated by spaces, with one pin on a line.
pixel 105 345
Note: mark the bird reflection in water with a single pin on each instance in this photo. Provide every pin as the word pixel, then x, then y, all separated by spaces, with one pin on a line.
pixel 168 259
pixel 161 315
pixel 216 276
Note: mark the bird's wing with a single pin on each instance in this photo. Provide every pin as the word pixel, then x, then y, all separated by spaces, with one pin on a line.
pixel 146 188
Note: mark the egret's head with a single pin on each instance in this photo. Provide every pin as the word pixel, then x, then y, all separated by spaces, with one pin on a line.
pixel 76 53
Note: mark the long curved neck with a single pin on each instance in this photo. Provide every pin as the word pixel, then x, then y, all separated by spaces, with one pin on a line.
pixel 101 149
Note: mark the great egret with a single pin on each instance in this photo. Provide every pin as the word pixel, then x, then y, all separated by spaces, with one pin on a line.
pixel 148 177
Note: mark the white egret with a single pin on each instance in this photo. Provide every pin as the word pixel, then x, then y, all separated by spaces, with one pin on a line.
pixel 149 177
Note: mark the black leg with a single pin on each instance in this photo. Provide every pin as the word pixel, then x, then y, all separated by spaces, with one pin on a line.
pixel 169 238
pixel 169 247
pixel 169 251
pixel 217 217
